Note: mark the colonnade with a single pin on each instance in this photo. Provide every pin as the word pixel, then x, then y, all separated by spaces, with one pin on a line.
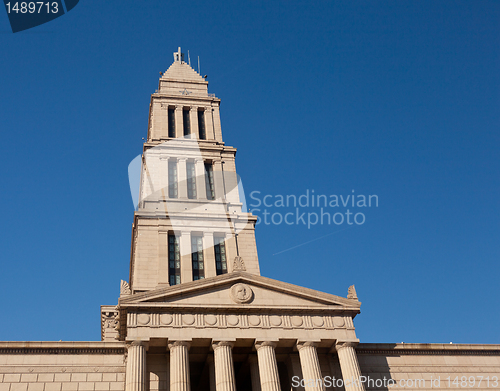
pixel 264 369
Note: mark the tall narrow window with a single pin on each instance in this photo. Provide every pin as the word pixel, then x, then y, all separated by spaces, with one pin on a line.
pixel 172 179
pixel 186 122
pixel 201 125
pixel 209 181
pixel 220 256
pixel 171 123
pixel 191 180
pixel 197 257
pixel 174 260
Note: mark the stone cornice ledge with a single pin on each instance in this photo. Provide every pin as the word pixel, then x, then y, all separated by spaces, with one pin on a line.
pixel 190 287
pixel 428 349
pixel 52 347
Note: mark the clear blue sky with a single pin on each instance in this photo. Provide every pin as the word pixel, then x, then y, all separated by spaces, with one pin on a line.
pixel 394 98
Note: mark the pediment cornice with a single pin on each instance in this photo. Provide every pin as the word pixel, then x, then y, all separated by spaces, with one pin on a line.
pixel 269 294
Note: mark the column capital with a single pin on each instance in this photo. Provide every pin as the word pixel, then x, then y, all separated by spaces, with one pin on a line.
pixel 142 343
pixel 173 344
pixel 345 344
pixel 219 344
pixel 261 344
pixel 303 344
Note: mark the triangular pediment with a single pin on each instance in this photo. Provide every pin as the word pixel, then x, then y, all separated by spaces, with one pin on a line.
pixel 240 290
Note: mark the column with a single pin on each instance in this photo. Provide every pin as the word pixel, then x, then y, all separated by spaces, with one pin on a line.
pixel 231 252
pixel 224 368
pixel 179 126
pixel 209 254
pixel 311 370
pixel 136 367
pixel 186 261
pixel 209 125
pixel 179 366
pixel 268 366
pixel 349 365
pixel 193 117
pixel 254 372
pixel 201 187
pixel 217 127
pixel 182 178
pixel 219 180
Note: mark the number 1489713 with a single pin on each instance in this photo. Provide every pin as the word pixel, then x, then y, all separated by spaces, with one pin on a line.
pixel 33 7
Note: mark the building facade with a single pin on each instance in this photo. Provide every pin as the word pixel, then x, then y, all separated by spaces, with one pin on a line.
pixel 197 315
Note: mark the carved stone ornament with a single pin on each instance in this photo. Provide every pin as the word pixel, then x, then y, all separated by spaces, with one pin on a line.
pixel 351 293
pixel 125 289
pixel 239 265
pixel 241 293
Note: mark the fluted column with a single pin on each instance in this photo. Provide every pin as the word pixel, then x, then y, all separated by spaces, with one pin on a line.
pixel 201 186
pixel 224 368
pixel 179 366
pixel 309 363
pixel 179 127
pixel 254 372
pixel 193 119
pixel 349 365
pixel 209 127
pixel 210 268
pixel 136 367
pixel 268 366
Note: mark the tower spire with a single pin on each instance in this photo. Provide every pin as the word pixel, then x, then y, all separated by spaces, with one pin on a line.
pixel 179 56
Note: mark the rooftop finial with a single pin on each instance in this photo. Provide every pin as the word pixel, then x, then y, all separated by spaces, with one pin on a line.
pixel 179 56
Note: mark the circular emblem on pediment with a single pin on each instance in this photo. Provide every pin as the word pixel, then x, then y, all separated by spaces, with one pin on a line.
pixel 188 319
pixel 210 320
pixel 166 319
pixel 241 293
pixel 143 319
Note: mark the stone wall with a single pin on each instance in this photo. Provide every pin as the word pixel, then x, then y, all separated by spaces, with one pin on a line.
pixel 62 366
pixel 436 366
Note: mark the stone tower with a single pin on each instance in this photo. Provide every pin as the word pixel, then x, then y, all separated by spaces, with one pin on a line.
pixel 196 314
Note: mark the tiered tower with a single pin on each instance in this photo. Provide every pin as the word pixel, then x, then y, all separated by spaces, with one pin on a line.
pixel 197 315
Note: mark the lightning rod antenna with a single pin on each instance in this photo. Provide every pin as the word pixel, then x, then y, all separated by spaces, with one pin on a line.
pixel 199 65
pixel 189 59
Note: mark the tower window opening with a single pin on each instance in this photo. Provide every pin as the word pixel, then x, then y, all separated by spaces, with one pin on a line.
pixel 186 122
pixel 209 181
pixel 171 123
pixel 201 125
pixel 197 257
pixel 191 180
pixel 172 179
pixel 220 255
pixel 174 260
